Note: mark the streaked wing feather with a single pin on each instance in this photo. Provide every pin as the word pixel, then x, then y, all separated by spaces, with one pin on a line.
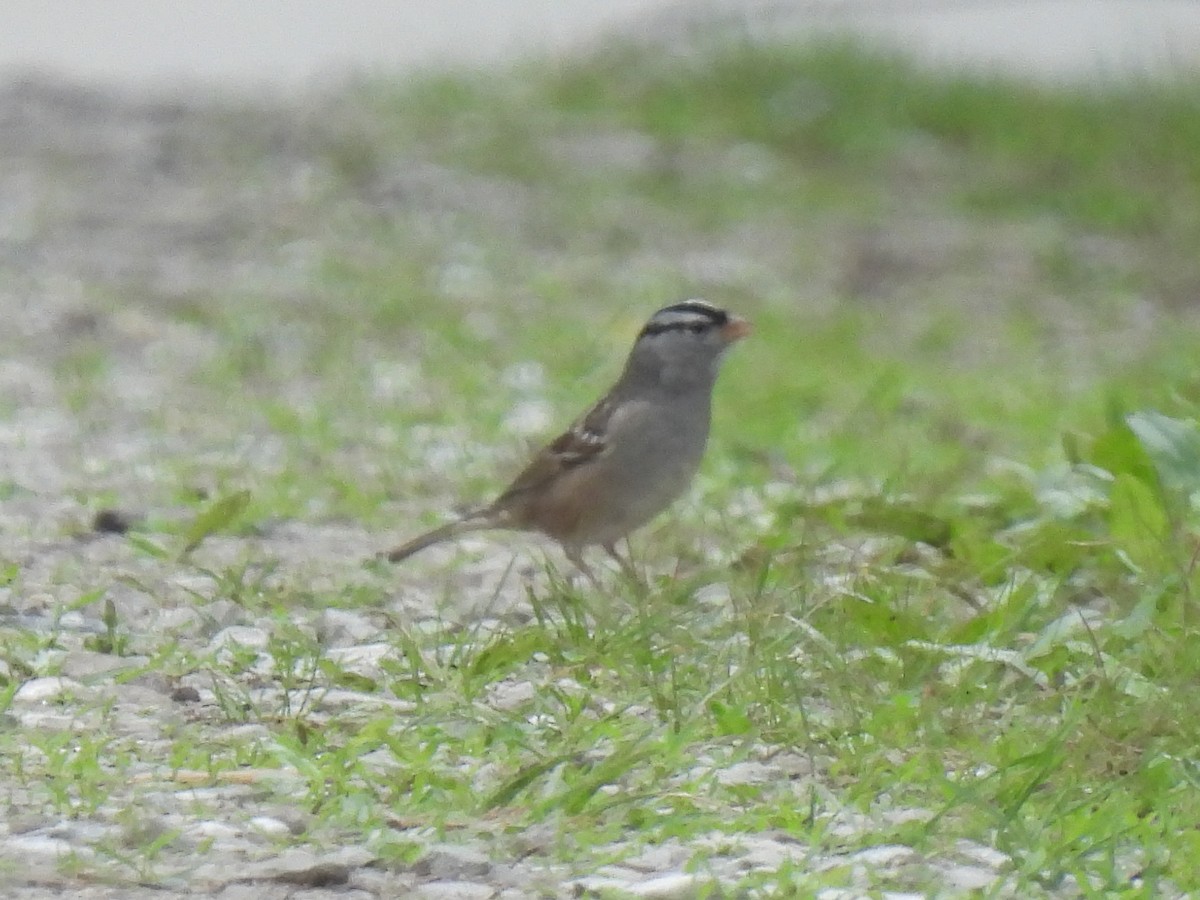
pixel 583 442
pixel 585 439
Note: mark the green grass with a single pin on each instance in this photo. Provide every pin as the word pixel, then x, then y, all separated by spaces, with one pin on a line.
pixel 944 552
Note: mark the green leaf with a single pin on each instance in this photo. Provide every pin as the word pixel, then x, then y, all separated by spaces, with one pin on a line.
pixel 978 554
pixel 1140 619
pixel 903 520
pixel 508 791
pixel 1138 523
pixel 1008 616
pixel 1118 451
pixel 1173 446
pixel 84 600
pixel 147 546
pixel 218 515
pixel 881 622
pixel 505 652
pixel 1051 545
pixel 730 720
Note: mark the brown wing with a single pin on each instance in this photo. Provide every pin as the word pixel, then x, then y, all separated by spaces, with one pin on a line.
pixel 582 443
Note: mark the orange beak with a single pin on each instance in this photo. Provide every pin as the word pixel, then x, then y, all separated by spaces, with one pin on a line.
pixel 735 329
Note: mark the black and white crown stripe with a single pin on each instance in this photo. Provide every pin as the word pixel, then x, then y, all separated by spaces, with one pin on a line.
pixel 690 315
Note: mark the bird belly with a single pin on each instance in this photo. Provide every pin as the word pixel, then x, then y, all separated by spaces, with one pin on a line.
pixel 605 500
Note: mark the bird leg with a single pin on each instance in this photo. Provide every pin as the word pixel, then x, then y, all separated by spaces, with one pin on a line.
pixel 625 562
pixel 575 555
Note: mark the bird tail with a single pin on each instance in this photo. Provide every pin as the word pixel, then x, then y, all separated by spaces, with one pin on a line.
pixel 471 522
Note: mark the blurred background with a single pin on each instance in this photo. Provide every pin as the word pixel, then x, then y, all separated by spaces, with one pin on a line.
pixel 301 41
pixel 341 213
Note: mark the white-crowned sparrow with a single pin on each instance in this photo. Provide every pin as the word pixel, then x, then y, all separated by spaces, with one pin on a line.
pixel 630 455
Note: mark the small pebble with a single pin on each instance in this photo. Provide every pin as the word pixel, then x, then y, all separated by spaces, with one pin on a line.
pixel 270 826
pixel 451 862
pixel 112 521
pixel 455 890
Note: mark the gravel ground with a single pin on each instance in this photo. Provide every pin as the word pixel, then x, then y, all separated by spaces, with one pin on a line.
pixel 134 200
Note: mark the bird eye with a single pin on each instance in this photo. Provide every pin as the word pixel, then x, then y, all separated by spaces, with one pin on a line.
pixel 697 327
